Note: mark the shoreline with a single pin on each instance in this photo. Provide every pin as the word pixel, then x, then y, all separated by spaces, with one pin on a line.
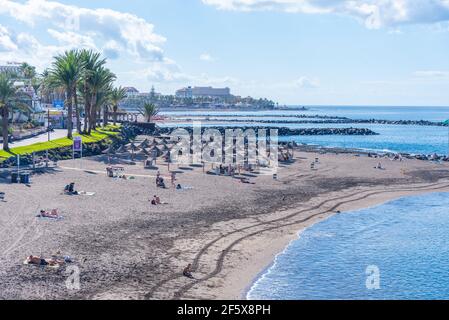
pixel 229 231
pixel 267 261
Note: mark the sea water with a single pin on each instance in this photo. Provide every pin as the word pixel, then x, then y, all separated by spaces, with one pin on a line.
pixel 396 138
pixel 398 250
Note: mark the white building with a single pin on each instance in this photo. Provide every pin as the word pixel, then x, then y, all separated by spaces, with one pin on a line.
pixel 14 69
pixel 196 92
pixel 131 91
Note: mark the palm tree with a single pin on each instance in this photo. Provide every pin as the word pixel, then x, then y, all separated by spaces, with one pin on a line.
pixel 149 110
pixel 92 62
pixel 65 72
pixel 100 83
pixel 103 102
pixel 10 97
pixel 28 72
pixel 117 95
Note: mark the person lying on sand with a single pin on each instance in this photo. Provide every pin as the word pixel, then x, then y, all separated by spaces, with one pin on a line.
pixel 48 214
pixel 44 262
pixel 246 181
pixel 37 261
pixel 187 272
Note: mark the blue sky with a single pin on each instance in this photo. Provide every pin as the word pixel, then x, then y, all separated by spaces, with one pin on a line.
pixel 385 52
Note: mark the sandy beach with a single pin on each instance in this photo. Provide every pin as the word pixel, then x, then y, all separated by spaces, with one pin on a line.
pixel 125 248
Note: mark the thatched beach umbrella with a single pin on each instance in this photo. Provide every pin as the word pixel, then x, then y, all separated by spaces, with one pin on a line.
pixel 144 143
pixel 142 152
pixel 155 151
pixel 109 150
pixel 133 148
pixel 121 149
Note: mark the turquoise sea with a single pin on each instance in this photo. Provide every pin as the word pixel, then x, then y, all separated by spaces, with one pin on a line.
pixel 397 138
pixel 397 250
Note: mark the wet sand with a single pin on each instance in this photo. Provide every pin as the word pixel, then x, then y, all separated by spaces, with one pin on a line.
pixel 125 248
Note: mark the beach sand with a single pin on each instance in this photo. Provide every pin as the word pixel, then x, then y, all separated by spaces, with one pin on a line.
pixel 124 248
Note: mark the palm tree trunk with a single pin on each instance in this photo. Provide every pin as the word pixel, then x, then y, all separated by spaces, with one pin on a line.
pixel 91 114
pixel 115 114
pixel 86 118
pixel 5 133
pixel 77 113
pixel 105 115
pixel 69 114
pixel 86 108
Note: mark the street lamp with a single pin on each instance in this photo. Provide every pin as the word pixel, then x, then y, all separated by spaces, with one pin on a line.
pixel 48 123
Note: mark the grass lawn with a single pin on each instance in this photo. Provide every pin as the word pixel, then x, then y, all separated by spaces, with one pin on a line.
pixel 96 136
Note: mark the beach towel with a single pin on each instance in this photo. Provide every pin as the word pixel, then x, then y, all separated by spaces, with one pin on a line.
pixel 56 266
pixel 49 218
pixel 184 188
pixel 85 193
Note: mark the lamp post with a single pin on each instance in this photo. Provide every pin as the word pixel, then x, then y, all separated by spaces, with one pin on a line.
pixel 48 123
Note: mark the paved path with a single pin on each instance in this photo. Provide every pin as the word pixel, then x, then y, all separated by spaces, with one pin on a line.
pixel 57 134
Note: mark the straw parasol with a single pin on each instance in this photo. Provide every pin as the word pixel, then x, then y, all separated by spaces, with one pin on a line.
pixel 121 149
pixel 108 150
pixel 144 143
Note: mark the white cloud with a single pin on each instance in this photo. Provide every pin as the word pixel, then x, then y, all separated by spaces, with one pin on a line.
pixel 206 57
pixel 6 41
pixel 374 13
pixel 77 26
pixel 431 74
pixel 73 39
pixel 307 83
pixel 169 72
pixel 25 47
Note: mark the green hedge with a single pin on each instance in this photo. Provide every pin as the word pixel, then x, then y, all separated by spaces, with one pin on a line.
pixel 96 136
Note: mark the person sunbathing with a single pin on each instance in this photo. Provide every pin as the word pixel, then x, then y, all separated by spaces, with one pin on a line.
pixel 44 262
pixel 37 261
pixel 49 214
pixel 246 181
